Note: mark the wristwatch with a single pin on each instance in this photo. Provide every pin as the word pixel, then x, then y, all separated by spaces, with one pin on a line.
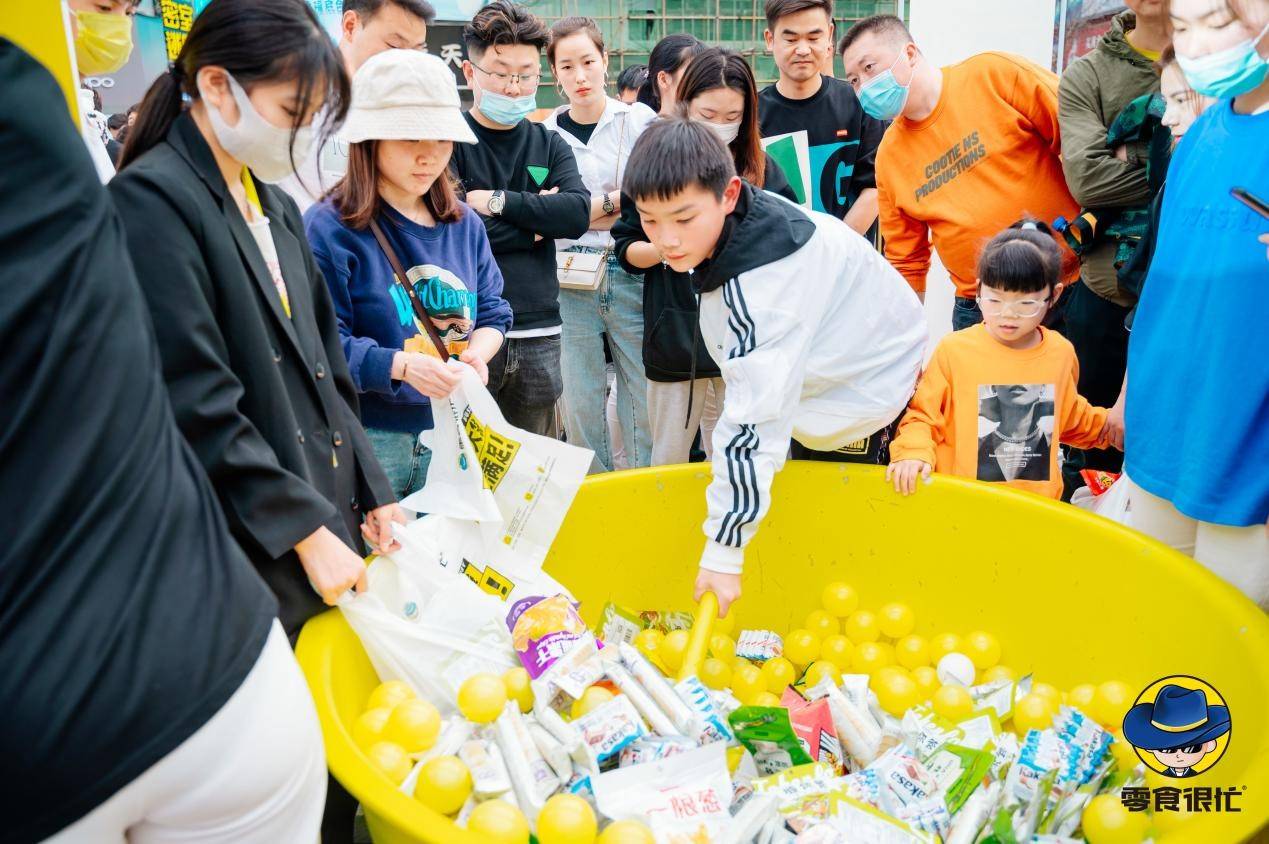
pixel 609 206
pixel 497 201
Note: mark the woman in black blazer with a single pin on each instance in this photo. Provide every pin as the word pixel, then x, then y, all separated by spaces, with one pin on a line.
pixel 246 329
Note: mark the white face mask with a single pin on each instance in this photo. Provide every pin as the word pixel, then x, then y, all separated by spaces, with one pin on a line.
pixel 264 148
pixel 726 132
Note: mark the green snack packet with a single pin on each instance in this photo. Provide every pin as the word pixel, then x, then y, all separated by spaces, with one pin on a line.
pixel 767 733
pixel 958 770
pixel 618 624
pixel 666 620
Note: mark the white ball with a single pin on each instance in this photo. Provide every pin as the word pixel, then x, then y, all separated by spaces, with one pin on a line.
pixel 955 669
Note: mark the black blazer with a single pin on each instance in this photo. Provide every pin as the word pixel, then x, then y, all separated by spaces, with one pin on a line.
pixel 265 400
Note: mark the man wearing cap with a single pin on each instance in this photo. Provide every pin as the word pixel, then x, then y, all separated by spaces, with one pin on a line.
pixel 1179 728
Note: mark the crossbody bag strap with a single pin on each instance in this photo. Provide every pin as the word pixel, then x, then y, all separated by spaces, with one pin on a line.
pixel 398 273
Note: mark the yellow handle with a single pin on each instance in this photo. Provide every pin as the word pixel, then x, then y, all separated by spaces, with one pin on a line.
pixel 698 642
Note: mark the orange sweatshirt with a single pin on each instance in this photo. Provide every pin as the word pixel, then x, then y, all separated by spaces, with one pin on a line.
pixel 986 156
pixel 983 410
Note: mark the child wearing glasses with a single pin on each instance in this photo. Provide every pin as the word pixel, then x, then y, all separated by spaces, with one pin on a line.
pixel 997 396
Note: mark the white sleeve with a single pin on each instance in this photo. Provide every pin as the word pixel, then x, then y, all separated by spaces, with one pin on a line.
pixel 764 366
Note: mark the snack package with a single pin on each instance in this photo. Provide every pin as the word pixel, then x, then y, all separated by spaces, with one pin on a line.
pixel 958 772
pixel 617 624
pixel 551 749
pixel 659 689
pixel 531 776
pixel 759 645
pixel 792 786
pixel 1098 480
pixel 643 702
pixel 767 733
pixel 489 774
pixel 546 715
pixel 813 723
pixel 857 730
pixel 578 668
pixel 749 820
pixel 864 824
pixel 679 797
pixel 973 815
pixel 905 783
pixel 712 721
pixel 543 630
pixel 609 728
pixel 666 620
pixel 1000 696
pixel 654 749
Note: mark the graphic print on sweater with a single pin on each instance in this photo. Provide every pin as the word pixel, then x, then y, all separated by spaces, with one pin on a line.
pixel 448 302
pixel 1015 431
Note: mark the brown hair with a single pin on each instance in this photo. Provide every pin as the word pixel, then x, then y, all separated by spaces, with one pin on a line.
pixel 571 26
pixel 715 68
pixel 356 196
pixel 776 9
pixel 503 24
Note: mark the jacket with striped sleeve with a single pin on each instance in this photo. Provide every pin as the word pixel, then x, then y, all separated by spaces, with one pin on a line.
pixel 818 339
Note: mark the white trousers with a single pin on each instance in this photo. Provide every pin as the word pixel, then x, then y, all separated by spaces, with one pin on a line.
pixel 255 772
pixel 667 408
pixel 1238 555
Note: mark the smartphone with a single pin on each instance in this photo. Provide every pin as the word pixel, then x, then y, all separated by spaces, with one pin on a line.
pixel 1252 201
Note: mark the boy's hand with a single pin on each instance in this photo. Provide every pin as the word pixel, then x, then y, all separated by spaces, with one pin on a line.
pixel 904 474
pixel 725 586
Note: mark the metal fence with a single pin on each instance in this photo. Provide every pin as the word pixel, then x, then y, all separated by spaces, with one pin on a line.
pixel 632 27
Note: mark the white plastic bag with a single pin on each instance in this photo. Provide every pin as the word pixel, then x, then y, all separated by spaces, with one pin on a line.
pixel 515 484
pixel 1112 504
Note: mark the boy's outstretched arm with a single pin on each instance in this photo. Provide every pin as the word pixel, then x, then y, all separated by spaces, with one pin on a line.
pixel 924 425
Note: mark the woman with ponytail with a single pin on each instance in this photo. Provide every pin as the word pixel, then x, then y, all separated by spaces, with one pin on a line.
pixel 246 329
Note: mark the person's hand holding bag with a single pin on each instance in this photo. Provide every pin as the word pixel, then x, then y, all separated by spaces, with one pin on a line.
pixel 377 528
pixel 431 376
pixel 332 567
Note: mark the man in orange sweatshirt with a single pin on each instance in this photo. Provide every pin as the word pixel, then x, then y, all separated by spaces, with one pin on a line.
pixel 973 147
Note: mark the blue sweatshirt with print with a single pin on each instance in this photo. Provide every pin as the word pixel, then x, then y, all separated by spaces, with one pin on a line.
pixel 451 269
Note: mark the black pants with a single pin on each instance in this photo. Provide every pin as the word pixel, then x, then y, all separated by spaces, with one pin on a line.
pixel 1095 328
pixel 873 450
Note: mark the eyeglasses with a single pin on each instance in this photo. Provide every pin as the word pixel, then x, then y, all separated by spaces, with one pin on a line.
pixel 1024 308
pixel 524 80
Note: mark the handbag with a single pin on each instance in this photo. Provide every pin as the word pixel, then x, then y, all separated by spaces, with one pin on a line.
pixel 398 272
pixel 587 270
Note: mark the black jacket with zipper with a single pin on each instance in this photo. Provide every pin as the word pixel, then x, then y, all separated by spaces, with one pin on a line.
pixel 265 400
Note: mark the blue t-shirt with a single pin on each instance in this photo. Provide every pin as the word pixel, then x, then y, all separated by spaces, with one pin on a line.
pixel 1197 413
pixel 451 269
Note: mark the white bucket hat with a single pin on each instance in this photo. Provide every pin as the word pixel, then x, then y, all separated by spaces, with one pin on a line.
pixel 405 95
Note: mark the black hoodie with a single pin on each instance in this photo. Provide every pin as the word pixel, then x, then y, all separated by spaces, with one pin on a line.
pixel 762 229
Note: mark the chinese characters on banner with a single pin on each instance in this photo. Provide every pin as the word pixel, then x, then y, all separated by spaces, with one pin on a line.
pixel 177 18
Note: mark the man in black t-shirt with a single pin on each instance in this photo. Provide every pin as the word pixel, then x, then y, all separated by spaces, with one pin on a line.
pixel 813 125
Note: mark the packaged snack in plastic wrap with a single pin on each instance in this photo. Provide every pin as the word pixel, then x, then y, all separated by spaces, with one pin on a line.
pixel 617 624
pixel 666 620
pixel 488 772
pixel 659 689
pixel 531 777
pixel 712 721
pixel 576 670
pixel 767 733
pixel 654 749
pixel 813 723
pixel 610 728
pixel 673 789
pixel 543 630
pixel 759 645
pixel 958 771
pixel 857 730
pixel 552 750
pixel 974 814
pixel 655 717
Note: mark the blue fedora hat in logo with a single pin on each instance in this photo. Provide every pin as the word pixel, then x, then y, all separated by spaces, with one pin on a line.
pixel 1177 717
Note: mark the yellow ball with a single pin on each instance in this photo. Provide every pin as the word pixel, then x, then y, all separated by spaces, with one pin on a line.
pixel 862 626
pixel 391 760
pixel 715 674
pixel 444 784
pixel 414 725
pixel 368 728
pixel 982 648
pixel 927 681
pixel 388 695
pixel 567 819
pixel 591 699
pixel 779 674
pixel 482 697
pixel 897 692
pixel 726 626
pixel 1111 702
pixel 801 647
pixel 942 645
pixel 886 670
pixel 722 646
pixel 747 682
pixel 823 623
pixel 765 699
pixel 626 832
pixel 1033 712
pixel 912 651
pixel 896 620
pixel 1107 820
pixel 997 673
pixel 953 703
pixel 839 599
pixel 519 688
pixel 819 670
pixel 649 642
pixel 498 822
pixel 1125 757
pixel 871 657
pixel 1048 691
pixel 673 647
pixel 1081 698
pixel 838 650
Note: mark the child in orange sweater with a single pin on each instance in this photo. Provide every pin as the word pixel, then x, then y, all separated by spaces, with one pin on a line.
pixel 997 397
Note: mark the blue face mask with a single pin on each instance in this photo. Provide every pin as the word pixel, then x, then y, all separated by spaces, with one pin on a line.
pixel 1229 73
pixel 507 111
pixel 882 96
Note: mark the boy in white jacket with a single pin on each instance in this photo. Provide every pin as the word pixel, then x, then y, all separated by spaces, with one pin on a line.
pixel 818 338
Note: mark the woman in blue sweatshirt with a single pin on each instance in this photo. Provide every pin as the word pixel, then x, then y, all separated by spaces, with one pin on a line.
pixel 401 130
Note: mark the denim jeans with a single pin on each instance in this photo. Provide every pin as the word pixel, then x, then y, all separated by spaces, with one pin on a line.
pixel 965 313
pixel 615 309
pixel 524 378
pixel 403 458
